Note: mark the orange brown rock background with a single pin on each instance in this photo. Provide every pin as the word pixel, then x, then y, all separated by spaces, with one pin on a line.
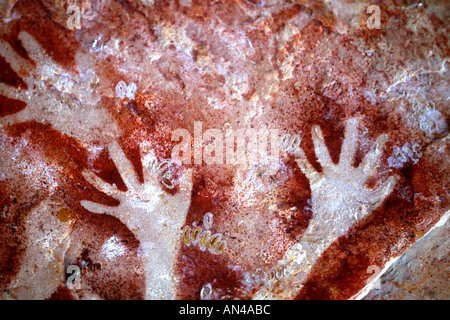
pixel 288 65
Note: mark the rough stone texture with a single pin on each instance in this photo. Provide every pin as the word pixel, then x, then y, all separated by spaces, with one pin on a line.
pixel 86 123
pixel 421 273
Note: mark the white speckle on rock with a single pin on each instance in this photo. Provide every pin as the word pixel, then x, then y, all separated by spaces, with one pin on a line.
pixel 206 292
pixel 121 89
pixel 113 248
pixel 433 123
pixel 404 154
pixel 131 90
pixel 97 45
pixel 208 220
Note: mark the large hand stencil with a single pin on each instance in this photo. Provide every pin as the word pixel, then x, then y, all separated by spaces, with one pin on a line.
pixel 154 216
pixel 339 200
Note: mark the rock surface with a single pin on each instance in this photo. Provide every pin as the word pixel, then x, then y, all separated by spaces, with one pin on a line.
pixel 420 273
pixel 96 95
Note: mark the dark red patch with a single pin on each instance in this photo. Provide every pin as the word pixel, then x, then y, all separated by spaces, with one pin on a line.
pixel 200 268
pixel 9 76
pixel 10 106
pixel 106 169
pixel 62 293
pixel 121 279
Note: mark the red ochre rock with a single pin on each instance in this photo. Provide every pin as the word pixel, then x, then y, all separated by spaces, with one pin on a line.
pixel 96 97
